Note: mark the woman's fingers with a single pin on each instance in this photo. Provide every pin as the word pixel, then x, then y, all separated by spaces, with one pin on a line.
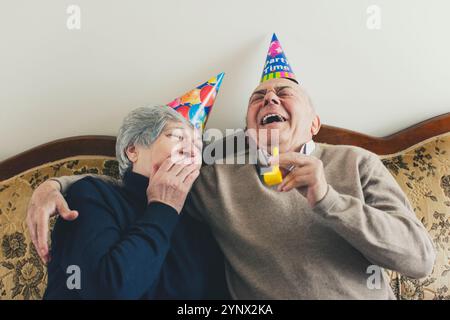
pixel 172 186
pixel 42 234
pixel 32 228
pixel 178 169
pixel 166 165
pixel 186 171
pixel 173 167
pixel 64 211
pixel 192 177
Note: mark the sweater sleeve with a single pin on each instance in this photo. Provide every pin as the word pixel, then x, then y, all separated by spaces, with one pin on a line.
pixel 66 182
pixel 115 263
pixel 383 226
pixel 205 184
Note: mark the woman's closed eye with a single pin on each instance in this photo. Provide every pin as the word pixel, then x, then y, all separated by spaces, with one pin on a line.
pixel 175 136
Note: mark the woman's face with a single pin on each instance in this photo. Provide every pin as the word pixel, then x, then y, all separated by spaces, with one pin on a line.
pixel 177 141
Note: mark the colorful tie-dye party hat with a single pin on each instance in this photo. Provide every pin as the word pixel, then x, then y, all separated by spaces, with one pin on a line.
pixel 277 66
pixel 196 104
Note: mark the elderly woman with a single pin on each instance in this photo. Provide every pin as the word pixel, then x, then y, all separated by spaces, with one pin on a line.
pixel 130 240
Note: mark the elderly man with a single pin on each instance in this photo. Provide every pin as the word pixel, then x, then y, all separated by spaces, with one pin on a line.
pixel 337 214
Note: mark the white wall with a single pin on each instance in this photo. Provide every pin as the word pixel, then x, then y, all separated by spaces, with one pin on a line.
pixel 57 83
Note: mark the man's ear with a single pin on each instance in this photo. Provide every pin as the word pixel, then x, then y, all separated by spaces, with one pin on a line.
pixel 132 153
pixel 315 126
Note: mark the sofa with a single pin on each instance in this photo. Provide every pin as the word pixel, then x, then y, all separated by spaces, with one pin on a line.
pixel 422 169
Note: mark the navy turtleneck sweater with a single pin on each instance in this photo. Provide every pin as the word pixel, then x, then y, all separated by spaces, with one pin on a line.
pixel 128 249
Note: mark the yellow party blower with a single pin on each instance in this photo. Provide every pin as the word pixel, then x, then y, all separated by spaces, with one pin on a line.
pixel 274 176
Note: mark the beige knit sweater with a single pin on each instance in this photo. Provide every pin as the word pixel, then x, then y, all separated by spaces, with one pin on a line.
pixel 277 247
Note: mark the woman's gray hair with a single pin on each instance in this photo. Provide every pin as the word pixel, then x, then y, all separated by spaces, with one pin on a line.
pixel 142 126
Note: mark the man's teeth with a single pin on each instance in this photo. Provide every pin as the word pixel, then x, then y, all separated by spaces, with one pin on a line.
pixel 272 117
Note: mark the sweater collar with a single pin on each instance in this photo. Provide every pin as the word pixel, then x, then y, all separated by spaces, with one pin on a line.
pixel 136 185
pixel 306 149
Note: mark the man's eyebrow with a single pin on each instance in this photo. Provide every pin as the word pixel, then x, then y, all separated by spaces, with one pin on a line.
pixel 282 87
pixel 262 91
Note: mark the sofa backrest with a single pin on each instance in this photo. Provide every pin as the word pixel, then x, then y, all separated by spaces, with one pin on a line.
pixel 423 172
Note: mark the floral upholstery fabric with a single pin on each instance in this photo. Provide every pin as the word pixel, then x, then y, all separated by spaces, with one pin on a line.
pixel 422 171
pixel 22 274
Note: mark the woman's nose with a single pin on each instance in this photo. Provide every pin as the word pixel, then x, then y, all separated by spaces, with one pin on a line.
pixel 188 149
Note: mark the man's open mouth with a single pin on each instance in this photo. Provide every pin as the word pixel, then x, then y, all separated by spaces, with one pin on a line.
pixel 272 117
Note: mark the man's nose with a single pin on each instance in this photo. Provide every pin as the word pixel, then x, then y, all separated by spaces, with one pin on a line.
pixel 271 98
